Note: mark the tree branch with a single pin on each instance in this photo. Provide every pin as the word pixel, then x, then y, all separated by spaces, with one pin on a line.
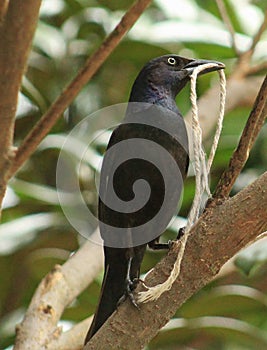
pixel 218 235
pixel 243 65
pixel 72 339
pixel 227 21
pixel 91 66
pixel 258 35
pixel 55 292
pixel 17 29
pixel 248 137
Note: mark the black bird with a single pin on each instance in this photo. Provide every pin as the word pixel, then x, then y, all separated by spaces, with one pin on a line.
pixel 150 144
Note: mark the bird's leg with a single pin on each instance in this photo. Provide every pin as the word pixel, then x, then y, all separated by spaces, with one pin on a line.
pixel 130 284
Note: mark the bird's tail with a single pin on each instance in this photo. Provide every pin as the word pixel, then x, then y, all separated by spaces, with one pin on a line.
pixel 113 288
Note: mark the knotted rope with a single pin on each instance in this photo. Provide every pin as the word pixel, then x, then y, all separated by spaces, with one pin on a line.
pixel 202 170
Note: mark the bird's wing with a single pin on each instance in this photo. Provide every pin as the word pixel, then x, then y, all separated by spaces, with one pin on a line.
pixel 142 177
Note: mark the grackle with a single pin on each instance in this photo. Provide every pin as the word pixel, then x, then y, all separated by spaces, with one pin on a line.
pixel 152 123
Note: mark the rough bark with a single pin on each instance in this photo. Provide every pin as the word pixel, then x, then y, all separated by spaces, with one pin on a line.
pixel 219 234
pixel 18 22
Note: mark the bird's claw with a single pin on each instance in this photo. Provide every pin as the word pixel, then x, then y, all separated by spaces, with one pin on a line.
pixel 130 287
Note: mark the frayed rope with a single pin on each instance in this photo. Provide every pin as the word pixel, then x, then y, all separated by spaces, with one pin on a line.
pixel 202 170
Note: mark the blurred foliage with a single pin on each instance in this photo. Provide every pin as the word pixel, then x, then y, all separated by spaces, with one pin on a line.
pixel 230 313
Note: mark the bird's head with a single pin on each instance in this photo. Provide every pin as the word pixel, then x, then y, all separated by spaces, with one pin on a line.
pixel 166 76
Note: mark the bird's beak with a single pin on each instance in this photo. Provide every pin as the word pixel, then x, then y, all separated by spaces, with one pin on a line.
pixel 196 63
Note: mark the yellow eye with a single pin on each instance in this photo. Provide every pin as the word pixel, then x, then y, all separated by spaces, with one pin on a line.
pixel 172 61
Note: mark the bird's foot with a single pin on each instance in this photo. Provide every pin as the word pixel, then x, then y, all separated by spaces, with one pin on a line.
pixel 130 287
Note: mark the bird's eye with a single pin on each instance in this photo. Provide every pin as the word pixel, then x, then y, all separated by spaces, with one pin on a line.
pixel 171 61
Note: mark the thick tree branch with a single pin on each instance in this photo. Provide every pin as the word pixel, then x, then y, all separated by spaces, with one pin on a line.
pixel 55 292
pixel 17 29
pixel 91 66
pixel 218 235
pixel 248 137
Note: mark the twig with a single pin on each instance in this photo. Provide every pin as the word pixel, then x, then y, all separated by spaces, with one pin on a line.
pixel 240 156
pixel 243 64
pixel 41 129
pixel 258 35
pixel 228 23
